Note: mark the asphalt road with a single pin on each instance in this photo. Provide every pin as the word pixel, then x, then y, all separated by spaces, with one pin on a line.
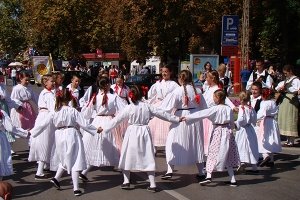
pixel 280 182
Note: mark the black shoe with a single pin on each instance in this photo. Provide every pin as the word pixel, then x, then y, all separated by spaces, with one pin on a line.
pixel 270 164
pixel 252 171
pixel 47 170
pixel 232 184
pixel 41 178
pixel 77 192
pixel 200 177
pixel 125 186
pixel 56 183
pixel 167 176
pixel 241 168
pixel 265 161
pixel 205 181
pixel 83 178
pixel 152 189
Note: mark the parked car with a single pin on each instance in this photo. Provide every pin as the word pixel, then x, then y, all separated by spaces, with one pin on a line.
pixel 143 80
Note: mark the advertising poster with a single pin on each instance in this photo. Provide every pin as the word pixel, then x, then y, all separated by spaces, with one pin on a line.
pixel 197 62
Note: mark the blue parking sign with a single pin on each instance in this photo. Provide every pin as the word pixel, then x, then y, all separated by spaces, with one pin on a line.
pixel 230 30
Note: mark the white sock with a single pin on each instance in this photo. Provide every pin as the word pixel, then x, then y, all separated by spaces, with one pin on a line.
pixel 40 169
pixel 126 175
pixel 59 173
pixel 46 166
pixel 200 167
pixel 170 168
pixel 84 172
pixel 265 155
pixel 75 177
pixel 231 174
pixel 151 176
pixel 208 175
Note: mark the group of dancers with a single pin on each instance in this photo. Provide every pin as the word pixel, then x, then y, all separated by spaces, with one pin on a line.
pixel 113 125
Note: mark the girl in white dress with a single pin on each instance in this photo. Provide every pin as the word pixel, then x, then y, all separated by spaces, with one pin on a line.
pixel 25 115
pixel 214 84
pixel 160 128
pixel 184 145
pixel 245 135
pixel 222 152
pixel 101 150
pixel 137 150
pixel 6 168
pixel 68 142
pixel 255 97
pixel 74 88
pixel 41 145
pixel 268 136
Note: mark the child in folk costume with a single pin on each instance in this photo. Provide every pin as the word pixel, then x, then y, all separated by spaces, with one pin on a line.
pixel 101 150
pixel 255 97
pixel 184 145
pixel 58 78
pixel 68 143
pixel 42 143
pixel 137 150
pixel 5 104
pixel 268 135
pixel 75 89
pixel 25 115
pixel 160 128
pixel 6 168
pixel 213 82
pixel 246 136
pixel 121 90
pixel 222 152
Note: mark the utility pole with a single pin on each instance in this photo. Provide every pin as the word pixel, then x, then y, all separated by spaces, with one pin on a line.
pixel 245 35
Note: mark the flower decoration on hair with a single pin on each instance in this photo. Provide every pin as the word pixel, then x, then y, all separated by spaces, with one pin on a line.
pixel 131 95
pixel 220 85
pixel 266 93
pixel 144 90
pixel 59 93
pixel 197 98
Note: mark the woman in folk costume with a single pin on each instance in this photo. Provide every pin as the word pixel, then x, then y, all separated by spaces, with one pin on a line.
pixel 25 115
pixel 68 141
pixel 289 107
pixel 6 168
pixel 213 82
pixel 42 144
pixel 121 90
pixel 222 151
pixel 160 128
pixel 101 150
pixel 5 104
pixel 137 150
pixel 255 97
pixel 184 145
pixel 268 135
pixel 74 88
pixel 245 136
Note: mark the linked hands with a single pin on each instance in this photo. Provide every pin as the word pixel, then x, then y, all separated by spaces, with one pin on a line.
pixel 99 130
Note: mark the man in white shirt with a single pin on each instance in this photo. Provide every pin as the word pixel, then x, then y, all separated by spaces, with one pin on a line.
pixel 261 75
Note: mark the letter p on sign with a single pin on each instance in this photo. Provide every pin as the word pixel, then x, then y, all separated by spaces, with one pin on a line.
pixel 229 23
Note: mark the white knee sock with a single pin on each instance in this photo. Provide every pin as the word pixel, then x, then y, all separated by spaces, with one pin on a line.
pixel 75 177
pixel 40 169
pixel 200 167
pixel 126 175
pixel 170 168
pixel 59 173
pixel 151 176
pixel 84 172
pixel 208 175
pixel 231 174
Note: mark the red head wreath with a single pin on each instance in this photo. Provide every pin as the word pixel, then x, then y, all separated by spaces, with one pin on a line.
pixel 132 96
pixel 144 90
pixel 267 93
pixel 59 93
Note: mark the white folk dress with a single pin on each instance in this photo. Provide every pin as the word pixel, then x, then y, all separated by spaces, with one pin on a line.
pixel 42 144
pixel 245 136
pixel 26 98
pixel 184 144
pixel 6 168
pixel 160 128
pixel 207 124
pixel 268 136
pixel 101 150
pixel 137 149
pixel 222 151
pixel 69 149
